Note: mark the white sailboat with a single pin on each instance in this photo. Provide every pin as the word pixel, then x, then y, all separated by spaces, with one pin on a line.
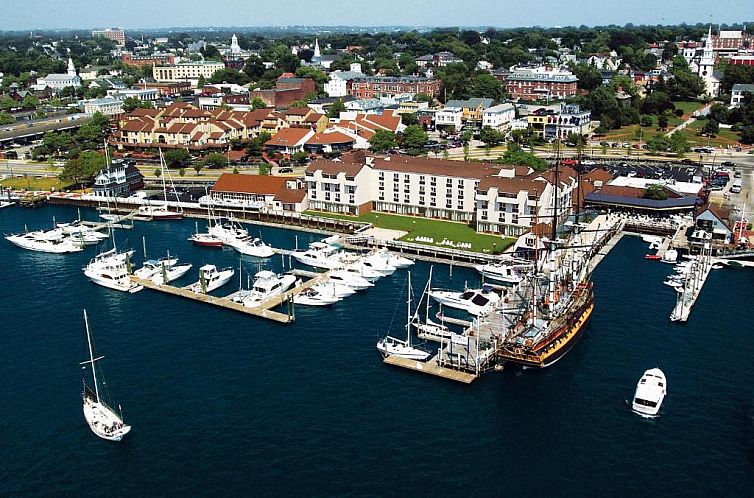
pixel 102 419
pixel 391 346
pixel 161 212
pixel 429 329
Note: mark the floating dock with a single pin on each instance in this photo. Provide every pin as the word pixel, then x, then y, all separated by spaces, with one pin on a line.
pixel 692 286
pixel 431 367
pixel 264 310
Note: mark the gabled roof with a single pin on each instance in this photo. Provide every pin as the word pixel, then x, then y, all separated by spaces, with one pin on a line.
pixel 512 185
pixel 288 137
pixel 332 137
pixel 290 195
pixel 437 167
pixel 349 167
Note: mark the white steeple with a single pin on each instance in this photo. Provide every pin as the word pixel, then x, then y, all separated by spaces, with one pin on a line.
pixel 317 53
pixel 235 48
pixel 71 67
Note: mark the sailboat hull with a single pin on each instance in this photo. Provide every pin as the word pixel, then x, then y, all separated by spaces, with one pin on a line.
pixel 103 422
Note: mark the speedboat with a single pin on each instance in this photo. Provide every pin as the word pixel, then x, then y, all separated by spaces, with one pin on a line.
pixel 357 268
pixel 267 285
pixel 205 240
pixel 252 247
pixel 210 278
pixel 163 271
pixel 348 279
pixel 475 301
pixel 112 269
pixel 319 255
pixel 314 296
pixel 333 288
pixel 650 392
pixel 502 272
pixel 43 242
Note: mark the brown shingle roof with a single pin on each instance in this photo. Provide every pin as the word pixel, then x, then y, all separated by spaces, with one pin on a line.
pixel 333 137
pixel 288 136
pixel 350 168
pixel 249 184
pixel 290 195
pixel 437 167
pixel 512 185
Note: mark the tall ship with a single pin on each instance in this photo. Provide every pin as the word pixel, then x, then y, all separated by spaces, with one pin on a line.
pixel 554 300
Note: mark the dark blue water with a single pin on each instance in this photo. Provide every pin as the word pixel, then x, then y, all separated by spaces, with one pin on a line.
pixel 220 401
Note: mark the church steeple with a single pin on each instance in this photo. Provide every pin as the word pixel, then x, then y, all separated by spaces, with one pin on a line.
pixel 235 48
pixel 71 67
pixel 317 53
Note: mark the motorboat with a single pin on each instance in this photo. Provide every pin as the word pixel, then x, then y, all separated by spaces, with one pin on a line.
pixel 205 240
pixel 475 301
pixel 315 296
pixel 252 247
pixel 210 279
pixel 502 272
pixel 77 229
pixel 392 346
pixel 41 242
pixel 653 257
pixel 650 392
pixel 112 269
pixel 99 415
pixel 393 259
pixel 267 285
pixel 5 204
pixel 228 231
pixel 673 282
pixel 333 288
pixel 163 271
pixel 377 263
pixel 356 267
pixel 348 279
pixel 319 255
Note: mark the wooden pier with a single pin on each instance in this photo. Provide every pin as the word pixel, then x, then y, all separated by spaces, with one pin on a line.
pixel 431 367
pixel 264 310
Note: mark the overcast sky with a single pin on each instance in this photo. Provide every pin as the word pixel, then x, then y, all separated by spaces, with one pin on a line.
pixel 85 14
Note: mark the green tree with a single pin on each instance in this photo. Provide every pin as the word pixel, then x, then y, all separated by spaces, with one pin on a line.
pixel 684 85
pixel 131 103
pixel 487 86
pixel 30 102
pixel 336 108
pixel 299 157
pixel 382 141
pixel 414 137
pixel 177 158
pixel 491 137
pixel 409 118
pixel 656 191
pixel 589 76
pixel 201 81
pixel 257 103
pixel 83 168
pixel 711 128
pixel 423 97
pixel 662 121
pixel 158 172
pixel 229 75
pixel 214 160
pixel 256 144
pixel 7 103
pixel 646 120
pixel 6 118
pixel 57 141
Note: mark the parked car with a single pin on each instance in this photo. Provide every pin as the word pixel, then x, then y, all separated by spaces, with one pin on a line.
pixel 285 170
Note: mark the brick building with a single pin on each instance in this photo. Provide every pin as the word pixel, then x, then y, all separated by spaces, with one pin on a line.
pixel 536 84
pixel 370 87
pixel 147 60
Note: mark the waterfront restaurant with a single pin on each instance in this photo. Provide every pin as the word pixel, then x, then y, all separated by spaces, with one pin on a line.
pixel 258 192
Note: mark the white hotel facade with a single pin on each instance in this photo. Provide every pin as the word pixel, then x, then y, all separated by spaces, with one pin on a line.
pixel 508 201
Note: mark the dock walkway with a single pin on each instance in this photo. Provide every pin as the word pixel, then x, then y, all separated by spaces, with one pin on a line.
pixel 431 367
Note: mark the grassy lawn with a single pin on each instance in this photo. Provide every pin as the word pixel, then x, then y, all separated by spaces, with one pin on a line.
pixel 32 183
pixel 688 107
pixel 436 229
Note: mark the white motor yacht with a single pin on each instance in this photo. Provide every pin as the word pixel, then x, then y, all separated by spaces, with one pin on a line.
pixel 349 279
pixel 333 288
pixel 315 296
pixel 159 212
pixel 163 271
pixel 111 269
pixel 670 256
pixel 210 278
pixel 252 247
pixel 42 242
pixel 266 285
pixel 228 231
pixel 377 263
pixel 475 301
pixel 319 255
pixel 650 392
pixel 357 268
pixel 502 272
pixel 393 259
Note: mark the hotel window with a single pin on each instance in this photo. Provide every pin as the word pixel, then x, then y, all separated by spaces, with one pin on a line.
pixel 448 193
pixel 460 205
pixel 449 182
pixel 448 203
pixel 382 196
pixel 395 197
pixel 514 220
pixel 421 190
pixel 406 179
pixel 406 199
pixel 421 180
pixel 433 190
pixel 337 197
pixel 327 196
pixel 421 200
pixel 382 175
pixel 396 177
pixel 433 181
pixel 460 194
pixel 382 185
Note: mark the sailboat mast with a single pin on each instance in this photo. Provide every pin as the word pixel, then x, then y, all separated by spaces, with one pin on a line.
pixel 408 311
pixel 162 168
pixel 91 355
pixel 429 289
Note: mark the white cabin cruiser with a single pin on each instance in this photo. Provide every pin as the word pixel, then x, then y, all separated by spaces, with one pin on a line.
pixel 266 285
pixel 670 256
pixel 650 392
pixel 377 263
pixel 348 279
pixel 252 247
pixel 315 296
pixel 163 271
pixel 159 212
pixel 112 269
pixel 210 278
pixel 393 259
pixel 228 231
pixel 502 272
pixel 319 255
pixel 475 301
pixel 40 242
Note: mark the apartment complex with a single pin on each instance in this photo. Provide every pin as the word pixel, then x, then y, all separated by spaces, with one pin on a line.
pixel 148 60
pixel 536 84
pixel 186 71
pixel 116 34
pixel 369 87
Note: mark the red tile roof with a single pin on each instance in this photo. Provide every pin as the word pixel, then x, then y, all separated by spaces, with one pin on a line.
pixel 332 137
pixel 512 185
pixel 327 167
pixel 290 195
pixel 288 137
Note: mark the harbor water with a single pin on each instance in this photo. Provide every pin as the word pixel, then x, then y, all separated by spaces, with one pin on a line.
pixel 224 402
